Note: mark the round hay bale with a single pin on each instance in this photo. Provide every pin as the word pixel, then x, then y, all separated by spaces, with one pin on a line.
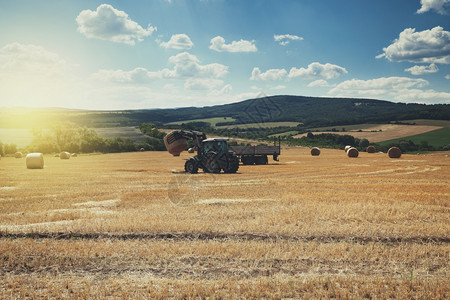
pixel 35 161
pixel 142 149
pixel 18 155
pixel 347 147
pixel 74 155
pixel 64 155
pixel 394 152
pixel 352 152
pixel 175 143
pixel 370 149
pixel 315 151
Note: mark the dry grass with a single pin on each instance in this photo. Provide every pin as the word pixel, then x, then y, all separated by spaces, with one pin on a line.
pixel 135 226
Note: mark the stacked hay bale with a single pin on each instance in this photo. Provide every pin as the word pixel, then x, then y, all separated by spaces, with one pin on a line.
pixel 352 152
pixel 347 147
pixel 175 143
pixel 18 155
pixel 64 155
pixel 35 161
pixel 370 149
pixel 74 155
pixel 315 151
pixel 394 152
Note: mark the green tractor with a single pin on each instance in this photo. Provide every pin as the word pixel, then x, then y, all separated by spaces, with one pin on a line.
pixel 212 156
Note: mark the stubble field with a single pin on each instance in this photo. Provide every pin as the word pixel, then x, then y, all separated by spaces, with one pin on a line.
pixel 136 226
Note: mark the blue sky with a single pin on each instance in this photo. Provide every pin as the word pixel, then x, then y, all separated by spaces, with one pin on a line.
pixel 161 53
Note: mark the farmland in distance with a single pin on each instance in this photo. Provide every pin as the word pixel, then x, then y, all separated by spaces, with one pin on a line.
pixel 135 225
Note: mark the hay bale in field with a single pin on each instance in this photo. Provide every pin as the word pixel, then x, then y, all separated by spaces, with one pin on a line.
pixel 142 149
pixel 315 151
pixel 175 143
pixel 370 149
pixel 394 152
pixel 18 155
pixel 347 147
pixel 64 155
pixel 74 155
pixel 35 161
pixel 352 152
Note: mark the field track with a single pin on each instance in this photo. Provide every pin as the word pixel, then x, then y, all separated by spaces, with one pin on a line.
pixel 384 132
pixel 135 225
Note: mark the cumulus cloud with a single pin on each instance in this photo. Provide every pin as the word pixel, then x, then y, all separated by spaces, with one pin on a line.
pixel 185 66
pixel 284 39
pixel 178 41
pixel 318 83
pixel 439 6
pixel 269 75
pixel 108 23
pixel 218 44
pixel 428 46
pixel 447 76
pixel 403 89
pixel 188 65
pixel 420 70
pixel 318 71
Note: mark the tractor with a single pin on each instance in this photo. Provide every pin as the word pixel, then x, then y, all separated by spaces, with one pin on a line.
pixel 212 156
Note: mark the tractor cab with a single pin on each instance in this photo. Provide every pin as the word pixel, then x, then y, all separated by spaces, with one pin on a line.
pixel 217 145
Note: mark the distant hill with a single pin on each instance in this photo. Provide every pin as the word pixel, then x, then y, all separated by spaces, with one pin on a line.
pixel 311 111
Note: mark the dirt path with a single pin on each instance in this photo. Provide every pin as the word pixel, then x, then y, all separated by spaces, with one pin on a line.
pixel 384 132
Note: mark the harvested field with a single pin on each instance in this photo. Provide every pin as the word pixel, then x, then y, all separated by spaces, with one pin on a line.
pixel 135 226
pixel 383 132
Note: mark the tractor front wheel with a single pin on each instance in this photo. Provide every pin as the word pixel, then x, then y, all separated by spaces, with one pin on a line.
pixel 191 166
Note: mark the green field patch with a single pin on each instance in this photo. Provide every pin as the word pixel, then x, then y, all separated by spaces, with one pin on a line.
pixel 212 121
pixel 436 138
pixel 262 125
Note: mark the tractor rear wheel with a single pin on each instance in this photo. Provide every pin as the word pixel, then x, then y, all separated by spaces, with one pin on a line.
pixel 191 166
pixel 212 166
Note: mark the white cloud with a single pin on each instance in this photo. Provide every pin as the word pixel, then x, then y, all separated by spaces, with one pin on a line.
pixel 178 41
pixel 438 6
pixel 269 75
pixel 318 83
pixel 402 89
pixel 318 71
pixel 108 23
pixel 420 70
pixel 218 44
pixel 138 75
pixel 284 39
pixel 188 65
pixel 185 66
pixel 428 46
pixel 447 76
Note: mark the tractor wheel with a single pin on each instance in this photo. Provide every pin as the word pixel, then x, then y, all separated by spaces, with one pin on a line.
pixel 191 166
pixel 233 166
pixel 212 166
